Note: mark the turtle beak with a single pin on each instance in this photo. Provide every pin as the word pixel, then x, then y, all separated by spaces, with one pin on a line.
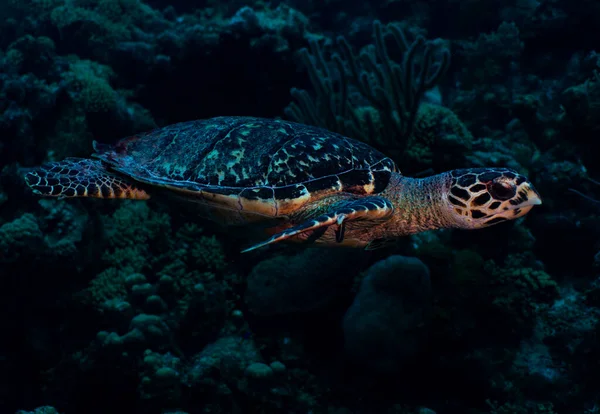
pixel 533 197
pixel 528 198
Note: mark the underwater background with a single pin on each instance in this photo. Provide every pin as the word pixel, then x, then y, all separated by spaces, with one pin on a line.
pixel 137 307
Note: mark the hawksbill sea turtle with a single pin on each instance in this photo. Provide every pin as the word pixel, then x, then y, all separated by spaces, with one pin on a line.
pixel 299 182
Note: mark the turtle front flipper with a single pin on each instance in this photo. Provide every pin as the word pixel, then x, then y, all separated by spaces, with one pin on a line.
pixel 372 209
pixel 80 177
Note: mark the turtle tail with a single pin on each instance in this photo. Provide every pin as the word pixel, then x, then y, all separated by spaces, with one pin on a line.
pixel 81 177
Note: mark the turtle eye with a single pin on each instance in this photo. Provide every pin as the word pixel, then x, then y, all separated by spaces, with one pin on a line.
pixel 502 190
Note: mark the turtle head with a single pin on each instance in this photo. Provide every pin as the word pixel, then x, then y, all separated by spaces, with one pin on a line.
pixel 481 197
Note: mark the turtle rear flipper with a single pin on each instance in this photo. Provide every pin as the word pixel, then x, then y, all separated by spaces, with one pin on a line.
pixel 370 209
pixel 81 177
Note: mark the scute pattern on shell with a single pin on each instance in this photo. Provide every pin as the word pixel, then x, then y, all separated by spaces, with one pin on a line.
pixel 251 153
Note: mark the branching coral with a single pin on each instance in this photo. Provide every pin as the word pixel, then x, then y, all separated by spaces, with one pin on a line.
pixel 346 83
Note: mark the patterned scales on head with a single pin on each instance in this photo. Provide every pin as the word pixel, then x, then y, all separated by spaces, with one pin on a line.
pixel 249 169
pixel 476 190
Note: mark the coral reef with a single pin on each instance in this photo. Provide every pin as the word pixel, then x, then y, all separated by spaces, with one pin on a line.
pixel 142 307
